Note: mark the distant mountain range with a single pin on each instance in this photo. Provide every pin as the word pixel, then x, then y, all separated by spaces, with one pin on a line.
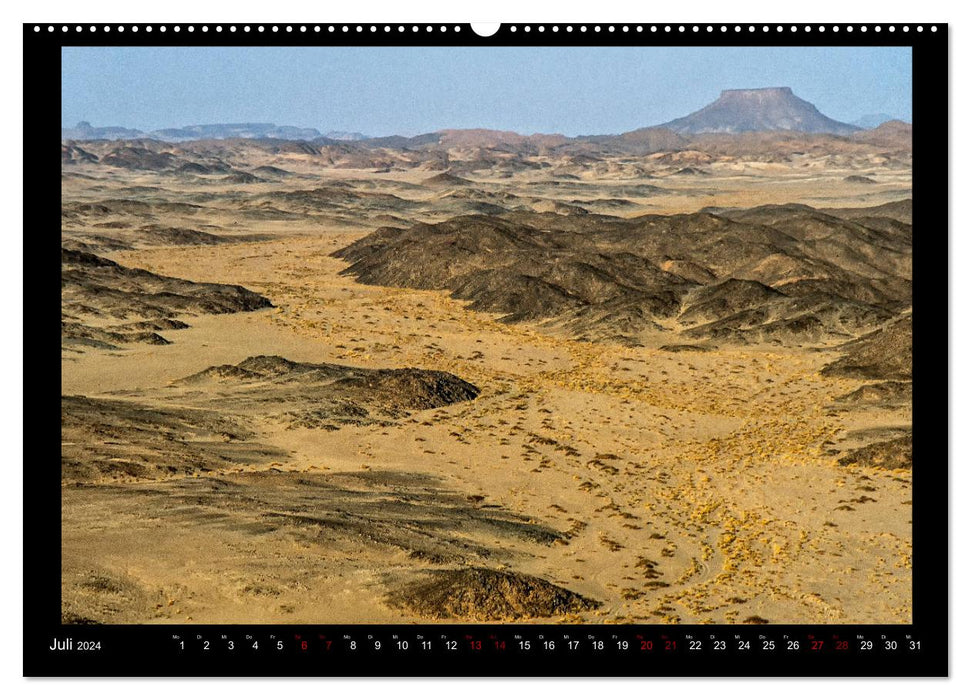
pixel 746 111
pixel 870 121
pixel 197 132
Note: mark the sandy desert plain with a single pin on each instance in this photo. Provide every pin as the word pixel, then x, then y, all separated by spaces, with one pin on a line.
pixel 487 379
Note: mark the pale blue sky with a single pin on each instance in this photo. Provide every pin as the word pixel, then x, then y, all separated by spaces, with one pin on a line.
pixel 383 91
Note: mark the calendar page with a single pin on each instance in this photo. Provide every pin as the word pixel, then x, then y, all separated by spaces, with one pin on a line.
pixel 543 349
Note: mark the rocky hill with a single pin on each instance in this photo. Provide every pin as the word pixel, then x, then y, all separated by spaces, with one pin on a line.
pixel 780 274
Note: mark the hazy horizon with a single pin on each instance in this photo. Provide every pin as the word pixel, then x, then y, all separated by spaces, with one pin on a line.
pixel 412 90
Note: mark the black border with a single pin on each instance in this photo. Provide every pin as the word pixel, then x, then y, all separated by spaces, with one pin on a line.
pixel 147 650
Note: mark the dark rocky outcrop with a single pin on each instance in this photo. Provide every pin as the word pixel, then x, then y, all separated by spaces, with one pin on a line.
pixel 485 595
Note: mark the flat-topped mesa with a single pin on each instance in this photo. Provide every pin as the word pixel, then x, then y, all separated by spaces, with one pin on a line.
pixel 758 109
pixel 746 94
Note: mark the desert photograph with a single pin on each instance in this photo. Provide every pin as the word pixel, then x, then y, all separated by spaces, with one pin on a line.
pixel 359 335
